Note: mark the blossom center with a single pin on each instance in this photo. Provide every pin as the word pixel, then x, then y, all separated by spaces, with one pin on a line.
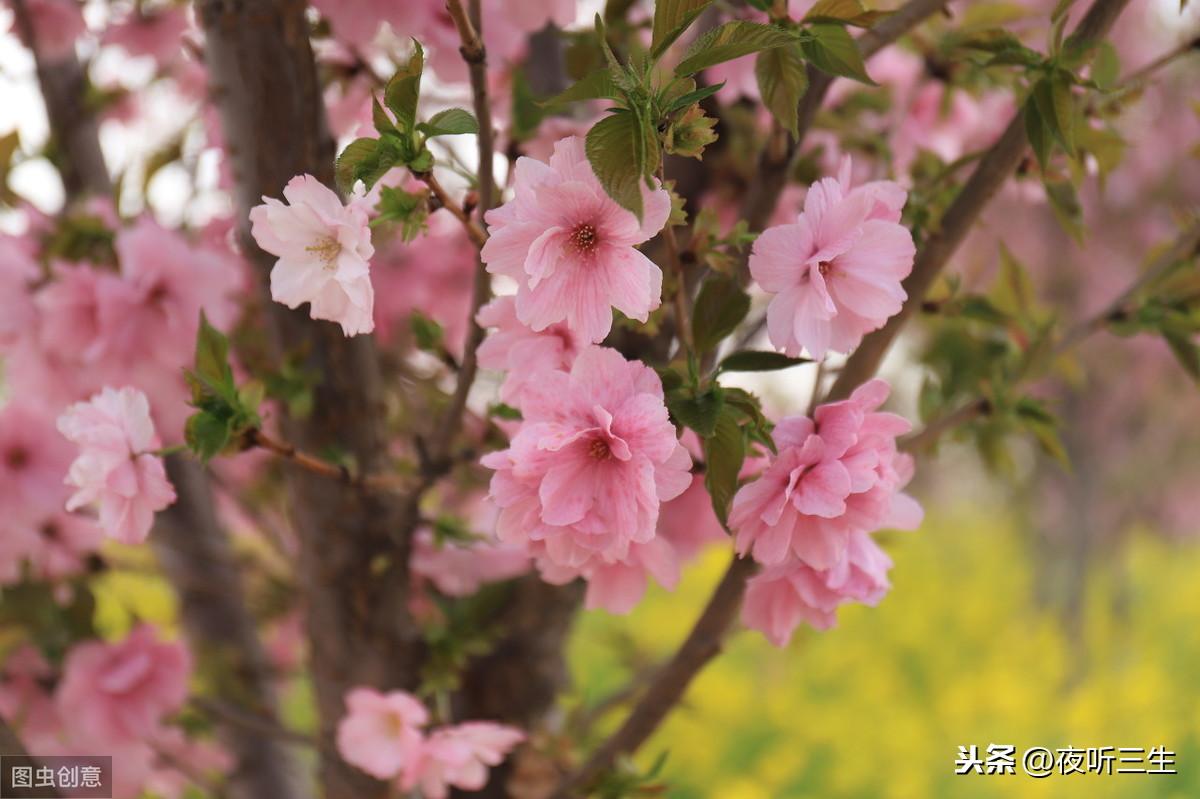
pixel 599 449
pixel 585 238
pixel 825 267
pixel 16 458
pixel 327 249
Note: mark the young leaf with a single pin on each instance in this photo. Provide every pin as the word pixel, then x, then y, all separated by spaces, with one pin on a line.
pixel 851 12
pixel 724 453
pixel 207 434
pixel 404 89
pixel 832 50
pixel 697 412
pixel 451 122
pixel 618 148
pixel 383 123
pixel 408 209
pixel 782 81
pixel 692 97
pixel 671 19
pixel 732 40
pixel 363 159
pixel 427 333
pixel 758 361
pixel 720 308
pixel 212 356
pixel 1038 132
pixel 596 85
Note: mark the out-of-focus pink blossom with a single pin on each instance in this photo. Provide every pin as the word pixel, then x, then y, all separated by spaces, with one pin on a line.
pixel 835 474
pixel 358 22
pixel 323 248
pixel 116 468
pixel 521 353
pixel 570 247
pixel 18 271
pixel 780 597
pixel 459 757
pixel 593 459
pixel 33 462
pixel 115 692
pixel 56 25
pixel 157 34
pixel 835 273
pixel 381 733
pixel 461 569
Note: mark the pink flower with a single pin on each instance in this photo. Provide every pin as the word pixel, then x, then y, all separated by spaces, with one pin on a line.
pixel 18 271
pixel 459 757
pixel 836 271
pixel 591 462
pixel 157 34
pixel 520 352
pixel 780 597
pixel 114 692
pixel 461 569
pixel 115 467
pixel 33 462
pixel 831 478
pixel 381 733
pixel 571 248
pixel 323 249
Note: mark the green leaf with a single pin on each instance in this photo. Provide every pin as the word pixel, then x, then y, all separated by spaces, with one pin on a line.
pixel 724 453
pixel 1065 203
pixel 1106 66
pixel 671 19
pixel 499 410
pixel 407 209
pixel 698 412
pixel 834 51
pixel 451 122
pixel 758 361
pixel 729 41
pixel 782 81
pixel 621 151
pixel 207 434
pixel 527 111
pixel 1041 140
pixel 427 333
pixel 363 159
pixel 851 12
pixel 383 123
pixel 1183 347
pixel 404 89
pixel 688 135
pixel 212 354
pixel 596 85
pixel 720 308
pixel 693 95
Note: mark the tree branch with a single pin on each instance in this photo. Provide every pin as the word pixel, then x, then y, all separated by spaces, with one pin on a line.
pixel 474 231
pixel 469 26
pixel 1185 247
pixel 317 465
pixel 996 166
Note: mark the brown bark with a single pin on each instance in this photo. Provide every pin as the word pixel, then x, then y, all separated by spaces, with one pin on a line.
pixel 353 562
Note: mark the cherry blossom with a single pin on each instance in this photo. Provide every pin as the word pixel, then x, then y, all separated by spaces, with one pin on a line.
pixel 323 248
pixel 591 463
pixel 835 272
pixel 381 732
pixel 571 248
pixel 116 692
pixel 780 597
pixel 519 351
pixel 116 468
pixel 835 474
pixel 459 757
pixel 56 25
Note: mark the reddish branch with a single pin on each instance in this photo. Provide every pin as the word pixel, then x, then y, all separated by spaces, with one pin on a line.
pixel 705 639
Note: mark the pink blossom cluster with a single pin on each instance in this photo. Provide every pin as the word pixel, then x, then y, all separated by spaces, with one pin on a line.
pixel 112 698
pixel 386 735
pixel 68 331
pixel 571 249
pixel 835 273
pixel 117 469
pixel 808 517
pixel 595 483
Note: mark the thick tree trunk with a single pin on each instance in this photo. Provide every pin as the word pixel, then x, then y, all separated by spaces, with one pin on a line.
pixel 353 561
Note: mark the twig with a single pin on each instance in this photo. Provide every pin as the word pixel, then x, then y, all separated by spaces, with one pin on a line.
pixel 253 722
pixel 473 52
pixel 683 323
pixel 1186 246
pixel 317 465
pixel 474 231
